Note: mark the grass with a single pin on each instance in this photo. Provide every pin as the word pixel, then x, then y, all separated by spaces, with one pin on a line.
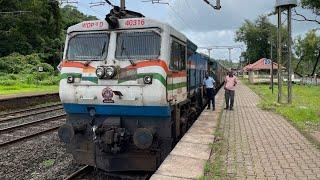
pixel 215 167
pixel 28 83
pixel 48 163
pixel 304 112
pixel 27 88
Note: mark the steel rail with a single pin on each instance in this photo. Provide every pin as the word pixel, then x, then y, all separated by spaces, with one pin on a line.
pixel 26 110
pixel 31 123
pixel 28 137
pixel 31 114
pixel 81 172
pixel 106 175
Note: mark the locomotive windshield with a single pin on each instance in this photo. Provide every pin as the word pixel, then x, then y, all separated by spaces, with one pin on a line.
pixel 138 45
pixel 82 47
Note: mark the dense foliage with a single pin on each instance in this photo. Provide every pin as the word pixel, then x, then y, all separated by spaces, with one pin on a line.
pixel 39 30
pixel 307 49
pixel 314 5
pixel 260 34
pixel 20 69
pixel 70 16
pixel 258 37
pixel 32 34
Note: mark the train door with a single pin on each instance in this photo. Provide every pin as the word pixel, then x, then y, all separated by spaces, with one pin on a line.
pixel 177 68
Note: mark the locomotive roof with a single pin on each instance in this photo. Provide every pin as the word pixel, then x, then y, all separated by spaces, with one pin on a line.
pixel 129 23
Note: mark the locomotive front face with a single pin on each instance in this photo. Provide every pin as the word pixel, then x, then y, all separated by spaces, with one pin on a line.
pixel 114 91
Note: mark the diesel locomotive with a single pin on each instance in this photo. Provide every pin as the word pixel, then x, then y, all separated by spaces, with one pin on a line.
pixel 131 87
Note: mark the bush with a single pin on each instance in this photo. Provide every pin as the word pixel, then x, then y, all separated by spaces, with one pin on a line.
pixel 28 69
pixel 29 79
pixel 47 67
pixel 32 59
pixel 18 69
pixel 13 76
pixel 48 82
pixel 8 82
pixel 19 64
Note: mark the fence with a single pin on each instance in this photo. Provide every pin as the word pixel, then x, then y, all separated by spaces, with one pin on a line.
pixel 310 81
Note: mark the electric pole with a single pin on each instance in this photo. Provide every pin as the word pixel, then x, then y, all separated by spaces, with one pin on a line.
pixel 122 4
pixel 230 54
pixel 224 47
pixel 290 56
pixel 285 5
pixel 271 58
pixel 279 56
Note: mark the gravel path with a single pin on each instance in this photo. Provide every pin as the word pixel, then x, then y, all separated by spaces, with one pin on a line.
pixel 42 157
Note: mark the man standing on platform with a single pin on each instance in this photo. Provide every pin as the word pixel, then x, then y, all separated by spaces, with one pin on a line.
pixel 209 83
pixel 230 83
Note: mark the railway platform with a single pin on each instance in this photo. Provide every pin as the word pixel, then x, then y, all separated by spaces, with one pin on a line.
pixel 188 158
pixel 21 95
pixel 263 145
pixel 259 144
pixel 16 101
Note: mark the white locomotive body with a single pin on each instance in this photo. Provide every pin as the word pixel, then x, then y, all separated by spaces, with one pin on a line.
pixel 129 92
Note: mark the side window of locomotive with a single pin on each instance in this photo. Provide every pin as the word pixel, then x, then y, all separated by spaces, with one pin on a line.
pixel 138 45
pixel 182 57
pixel 83 47
pixel 178 56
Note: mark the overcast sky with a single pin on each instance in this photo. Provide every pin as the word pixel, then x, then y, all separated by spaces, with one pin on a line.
pixel 200 22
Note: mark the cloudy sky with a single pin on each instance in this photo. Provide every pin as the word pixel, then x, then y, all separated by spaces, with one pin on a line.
pixel 200 22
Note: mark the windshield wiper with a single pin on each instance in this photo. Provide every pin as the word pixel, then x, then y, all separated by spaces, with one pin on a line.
pixel 102 52
pixel 104 48
pixel 87 63
pixel 123 49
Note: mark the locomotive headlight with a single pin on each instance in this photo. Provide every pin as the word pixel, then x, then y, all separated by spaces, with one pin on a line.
pixel 110 72
pixel 100 72
pixel 70 79
pixel 147 79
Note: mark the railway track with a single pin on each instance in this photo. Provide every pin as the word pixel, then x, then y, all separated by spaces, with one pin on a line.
pixel 81 173
pixel 17 133
pixel 89 172
pixel 5 117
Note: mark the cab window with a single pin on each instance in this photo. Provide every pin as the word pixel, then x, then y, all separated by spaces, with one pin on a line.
pixel 178 56
pixel 138 45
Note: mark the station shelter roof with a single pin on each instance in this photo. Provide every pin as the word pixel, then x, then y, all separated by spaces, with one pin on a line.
pixel 262 64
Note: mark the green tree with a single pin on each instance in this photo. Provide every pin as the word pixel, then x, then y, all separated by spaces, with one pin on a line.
pixel 42 30
pixel 258 37
pixel 307 49
pixel 26 32
pixel 314 5
pixel 71 16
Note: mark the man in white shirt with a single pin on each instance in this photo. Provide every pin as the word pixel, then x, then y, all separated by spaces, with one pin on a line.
pixel 209 84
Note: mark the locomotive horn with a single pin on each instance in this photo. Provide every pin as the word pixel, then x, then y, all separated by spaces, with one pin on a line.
pixel 117 13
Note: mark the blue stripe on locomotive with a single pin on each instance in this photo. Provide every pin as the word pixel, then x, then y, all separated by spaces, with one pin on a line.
pixel 118 110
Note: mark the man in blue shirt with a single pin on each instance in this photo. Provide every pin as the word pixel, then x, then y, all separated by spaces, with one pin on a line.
pixel 209 84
